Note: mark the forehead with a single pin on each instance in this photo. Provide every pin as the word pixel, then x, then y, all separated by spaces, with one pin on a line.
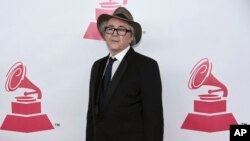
pixel 117 22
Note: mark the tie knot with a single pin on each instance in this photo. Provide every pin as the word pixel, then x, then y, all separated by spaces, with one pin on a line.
pixel 111 60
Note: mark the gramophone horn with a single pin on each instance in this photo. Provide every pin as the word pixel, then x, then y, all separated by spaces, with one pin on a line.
pixel 201 75
pixel 16 78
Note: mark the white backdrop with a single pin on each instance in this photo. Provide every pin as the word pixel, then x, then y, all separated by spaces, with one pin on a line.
pixel 47 36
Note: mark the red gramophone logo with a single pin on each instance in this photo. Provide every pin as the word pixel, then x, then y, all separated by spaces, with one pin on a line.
pixel 26 113
pixel 210 113
pixel 106 7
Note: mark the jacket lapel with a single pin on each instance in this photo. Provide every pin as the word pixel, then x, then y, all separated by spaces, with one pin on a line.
pixel 116 78
pixel 114 82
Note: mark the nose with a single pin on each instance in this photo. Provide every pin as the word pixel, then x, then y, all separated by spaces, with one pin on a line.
pixel 115 32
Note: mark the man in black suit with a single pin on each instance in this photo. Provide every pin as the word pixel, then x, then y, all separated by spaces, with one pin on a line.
pixel 125 101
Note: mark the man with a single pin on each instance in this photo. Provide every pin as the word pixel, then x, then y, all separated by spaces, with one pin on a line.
pixel 125 101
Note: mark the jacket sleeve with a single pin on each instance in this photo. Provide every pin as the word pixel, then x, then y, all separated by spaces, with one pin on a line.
pixel 90 126
pixel 151 89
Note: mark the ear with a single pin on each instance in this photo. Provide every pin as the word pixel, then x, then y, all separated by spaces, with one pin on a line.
pixel 132 39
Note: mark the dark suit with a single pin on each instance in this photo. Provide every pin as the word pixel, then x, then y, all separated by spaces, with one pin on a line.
pixel 132 109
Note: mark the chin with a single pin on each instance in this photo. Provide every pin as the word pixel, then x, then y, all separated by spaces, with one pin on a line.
pixel 114 47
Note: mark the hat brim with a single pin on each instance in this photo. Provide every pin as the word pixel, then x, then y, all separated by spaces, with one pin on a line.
pixel 137 27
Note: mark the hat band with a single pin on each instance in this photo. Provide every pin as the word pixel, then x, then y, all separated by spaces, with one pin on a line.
pixel 121 16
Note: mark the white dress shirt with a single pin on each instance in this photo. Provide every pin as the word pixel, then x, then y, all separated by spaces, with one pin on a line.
pixel 119 58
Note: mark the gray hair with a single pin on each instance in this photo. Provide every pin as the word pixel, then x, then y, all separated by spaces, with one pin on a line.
pixel 102 27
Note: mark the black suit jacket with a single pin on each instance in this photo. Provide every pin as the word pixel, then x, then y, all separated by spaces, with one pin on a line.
pixel 132 109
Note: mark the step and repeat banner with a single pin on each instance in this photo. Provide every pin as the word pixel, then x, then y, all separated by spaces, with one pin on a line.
pixel 47 48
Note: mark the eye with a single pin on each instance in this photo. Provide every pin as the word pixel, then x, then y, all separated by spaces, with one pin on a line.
pixel 109 28
pixel 122 29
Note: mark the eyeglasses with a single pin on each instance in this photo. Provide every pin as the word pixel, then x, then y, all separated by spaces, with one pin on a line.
pixel 121 31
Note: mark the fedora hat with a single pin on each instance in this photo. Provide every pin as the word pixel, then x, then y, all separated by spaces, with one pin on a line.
pixel 121 13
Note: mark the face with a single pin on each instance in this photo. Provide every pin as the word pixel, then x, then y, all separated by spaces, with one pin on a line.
pixel 116 40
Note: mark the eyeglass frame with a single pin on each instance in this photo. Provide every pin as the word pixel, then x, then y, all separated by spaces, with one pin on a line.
pixel 117 30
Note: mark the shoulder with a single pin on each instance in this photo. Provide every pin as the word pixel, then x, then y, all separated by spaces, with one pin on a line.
pixel 141 63
pixel 101 60
pixel 98 63
pixel 144 60
pixel 141 57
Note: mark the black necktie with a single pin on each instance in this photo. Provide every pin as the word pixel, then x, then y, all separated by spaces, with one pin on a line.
pixel 107 75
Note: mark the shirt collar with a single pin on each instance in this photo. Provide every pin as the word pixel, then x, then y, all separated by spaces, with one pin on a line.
pixel 121 54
